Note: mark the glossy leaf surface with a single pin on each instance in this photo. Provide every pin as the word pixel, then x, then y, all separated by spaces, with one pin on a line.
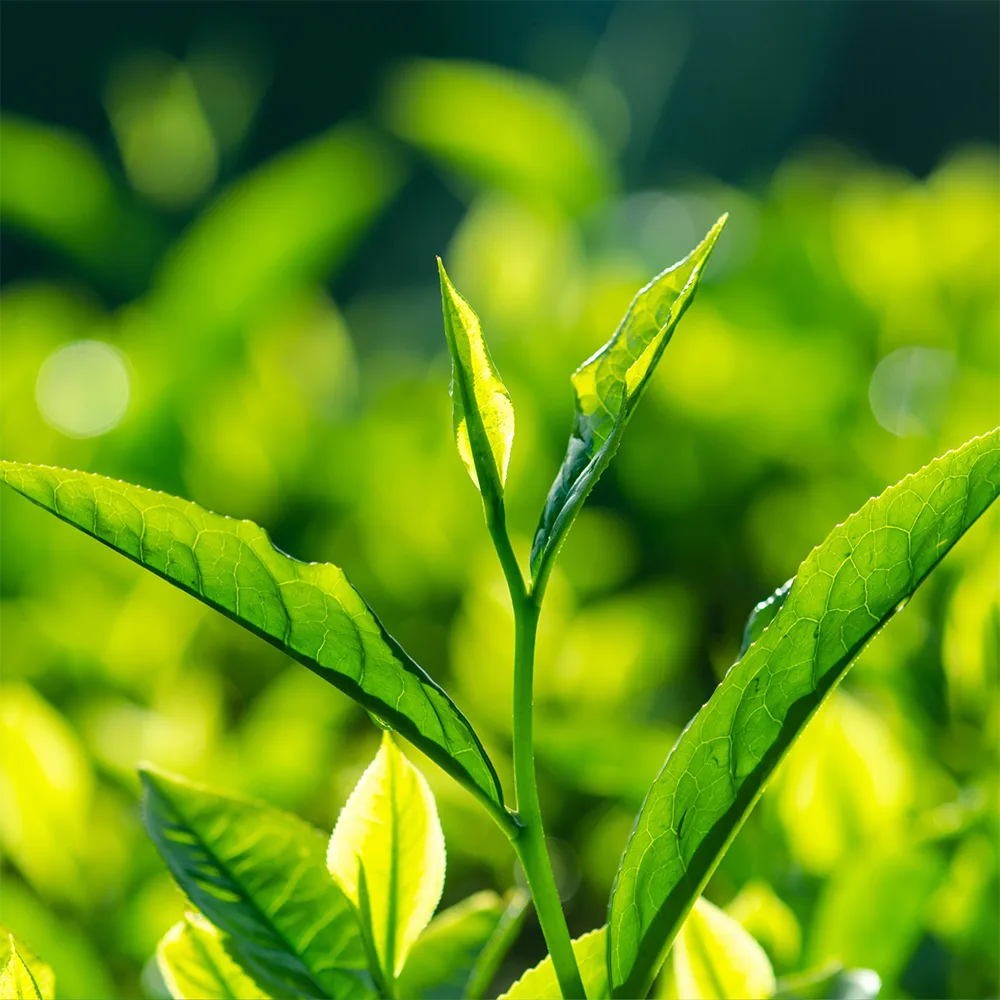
pixel 763 614
pixel 194 963
pixel 845 590
pixel 716 959
pixel 608 388
pixel 447 961
pixel 390 830
pixel 258 874
pixel 308 610
pixel 40 972
pixel 540 983
pixel 483 413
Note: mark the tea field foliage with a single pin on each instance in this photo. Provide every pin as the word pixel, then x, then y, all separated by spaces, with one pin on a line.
pixel 845 333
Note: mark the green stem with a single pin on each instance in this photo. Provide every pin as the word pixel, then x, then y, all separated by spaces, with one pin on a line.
pixel 530 845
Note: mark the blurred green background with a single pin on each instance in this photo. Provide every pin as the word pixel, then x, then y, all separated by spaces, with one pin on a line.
pixel 218 234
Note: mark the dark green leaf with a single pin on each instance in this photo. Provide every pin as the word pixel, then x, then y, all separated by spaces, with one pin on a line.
pixel 308 610
pixel 448 955
pixel 608 388
pixel 844 592
pixel 260 876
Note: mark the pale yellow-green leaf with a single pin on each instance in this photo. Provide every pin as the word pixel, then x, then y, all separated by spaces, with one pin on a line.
pixel 194 963
pixel 41 973
pixel 390 827
pixel 716 959
pixel 759 911
pixel 483 413
pixel 540 983
pixel 16 980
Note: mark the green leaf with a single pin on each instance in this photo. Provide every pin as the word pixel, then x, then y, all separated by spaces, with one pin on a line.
pixel 716 959
pixel 389 835
pixel 499 128
pixel 830 982
pixel 194 963
pixel 846 589
pixel 308 610
pixel 16 980
pixel 458 954
pixel 763 614
pixel 259 875
pixel 608 388
pixel 41 974
pixel 483 414
pixel 540 983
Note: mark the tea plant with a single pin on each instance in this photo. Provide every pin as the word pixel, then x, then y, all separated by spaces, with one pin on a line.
pixel 277 913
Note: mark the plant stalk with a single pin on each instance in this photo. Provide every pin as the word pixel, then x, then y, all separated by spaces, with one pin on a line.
pixel 530 845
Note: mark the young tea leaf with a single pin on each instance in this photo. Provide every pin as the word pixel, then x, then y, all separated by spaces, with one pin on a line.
pixel 16 980
pixel 483 414
pixel 846 589
pixel 716 959
pixel 389 836
pixel 540 983
pixel 308 610
pixel 194 963
pixel 446 958
pixel 40 972
pixel 258 875
pixel 608 388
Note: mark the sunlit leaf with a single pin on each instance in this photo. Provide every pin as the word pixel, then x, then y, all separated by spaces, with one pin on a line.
pixel 716 959
pixel 447 962
pixel 259 875
pixel 24 970
pixel 390 829
pixel 499 128
pixel 308 610
pixel 608 388
pixel 194 963
pixel 483 414
pixel 830 982
pixel 769 920
pixel 540 983
pixel 844 591
pixel 763 614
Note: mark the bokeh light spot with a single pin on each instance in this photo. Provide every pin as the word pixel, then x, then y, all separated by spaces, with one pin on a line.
pixel 83 388
pixel 909 390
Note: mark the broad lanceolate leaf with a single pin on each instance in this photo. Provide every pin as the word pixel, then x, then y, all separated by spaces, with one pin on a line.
pixel 258 875
pixel 459 952
pixel 16 980
pixel 40 972
pixel 389 835
pixel 608 389
pixel 716 959
pixel 540 983
pixel 308 610
pixel 845 590
pixel 483 414
pixel 194 964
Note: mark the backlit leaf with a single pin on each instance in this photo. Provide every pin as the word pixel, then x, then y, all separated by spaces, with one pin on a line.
pixel 846 589
pixel 16 980
pixel 716 959
pixel 483 414
pixel 194 963
pixel 608 388
pixel 40 972
pixel 763 614
pixel 447 962
pixel 258 875
pixel 389 830
pixel 540 983
pixel 308 610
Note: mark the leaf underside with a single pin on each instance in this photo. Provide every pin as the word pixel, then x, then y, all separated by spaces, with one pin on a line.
pixel 608 388
pixel 844 591
pixel 259 875
pixel 308 610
